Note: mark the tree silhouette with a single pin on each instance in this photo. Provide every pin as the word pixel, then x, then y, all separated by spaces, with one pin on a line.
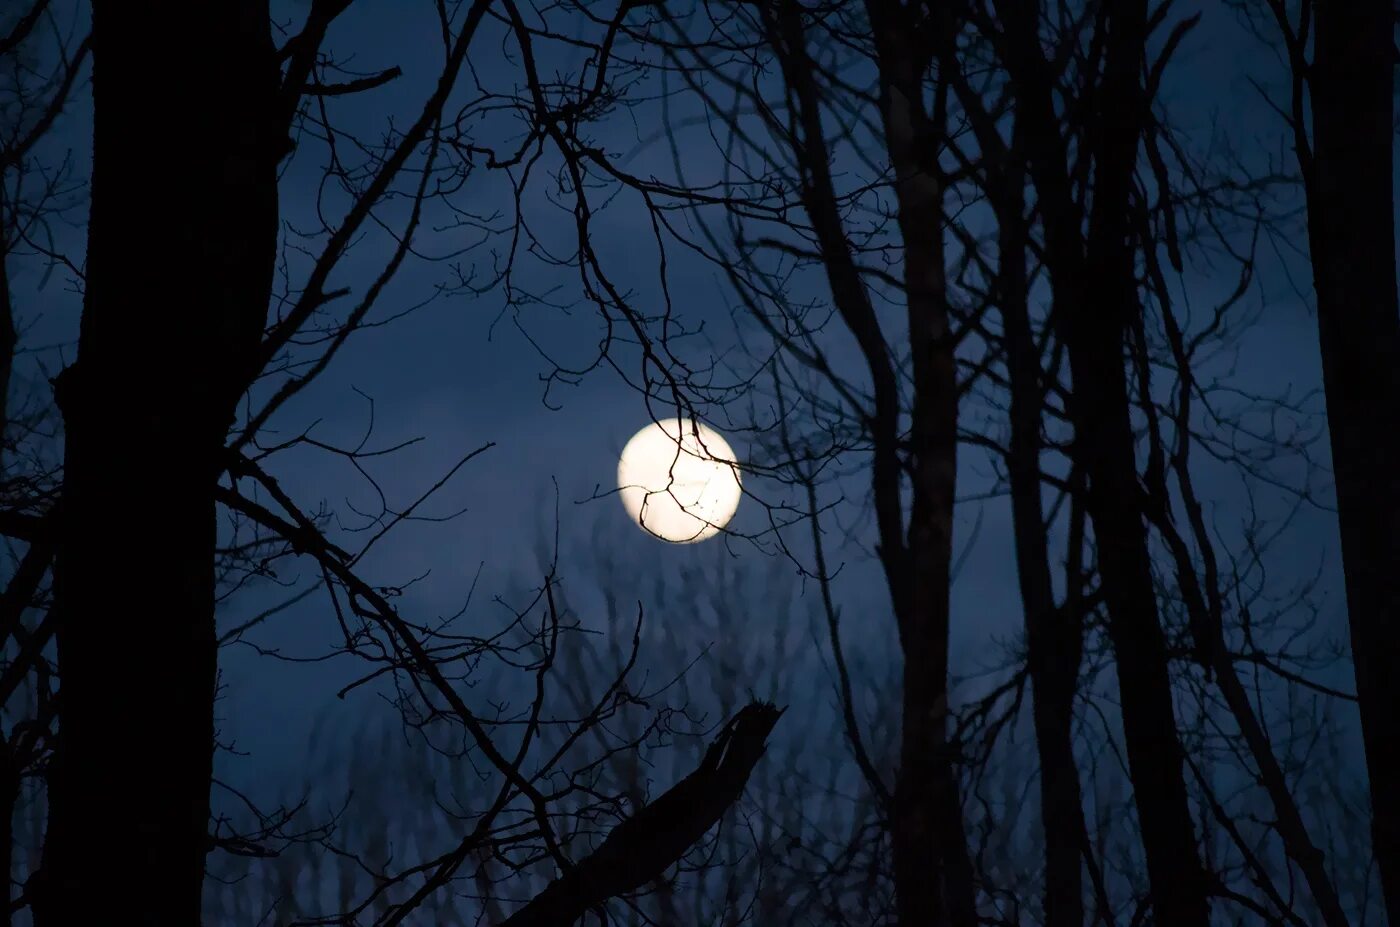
pixel 162 411
pixel 1339 110
pixel 965 246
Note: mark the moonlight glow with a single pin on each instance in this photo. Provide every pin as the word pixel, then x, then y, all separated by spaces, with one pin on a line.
pixel 676 487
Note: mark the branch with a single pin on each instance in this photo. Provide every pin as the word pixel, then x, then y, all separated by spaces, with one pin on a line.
pixel 23 27
pixel 352 86
pixel 23 526
pixel 23 585
pixel 10 157
pixel 374 191
pixel 645 845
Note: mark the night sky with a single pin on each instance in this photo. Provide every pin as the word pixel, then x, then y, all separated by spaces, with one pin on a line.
pixel 460 372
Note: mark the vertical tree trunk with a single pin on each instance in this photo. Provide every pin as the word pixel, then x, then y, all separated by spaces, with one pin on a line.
pixel 932 869
pixel 9 796
pixel 1054 636
pixel 9 338
pixel 181 243
pixel 1095 291
pixel 1351 222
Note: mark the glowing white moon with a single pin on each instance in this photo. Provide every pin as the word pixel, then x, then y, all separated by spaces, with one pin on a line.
pixel 677 485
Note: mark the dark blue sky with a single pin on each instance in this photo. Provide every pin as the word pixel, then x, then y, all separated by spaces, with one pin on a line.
pixel 460 374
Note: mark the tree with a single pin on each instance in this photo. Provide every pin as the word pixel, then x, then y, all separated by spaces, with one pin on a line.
pixel 179 367
pixel 911 438
pixel 1096 244
pixel 952 236
pixel 33 93
pixel 1339 111
pixel 1074 93
pixel 903 407
pixel 1350 189
pixel 145 423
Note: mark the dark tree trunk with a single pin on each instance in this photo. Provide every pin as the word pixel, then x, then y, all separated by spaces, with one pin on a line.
pixel 932 869
pixel 1054 636
pixel 9 796
pixel 9 338
pixel 181 244
pixel 1093 321
pixel 1352 234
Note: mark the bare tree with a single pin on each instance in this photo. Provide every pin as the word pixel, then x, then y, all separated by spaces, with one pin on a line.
pixel 902 408
pixel 897 188
pixel 1339 60
pixel 42 68
pixel 1095 243
pixel 1054 630
pixel 186 353
pixel 704 653
pixel 911 437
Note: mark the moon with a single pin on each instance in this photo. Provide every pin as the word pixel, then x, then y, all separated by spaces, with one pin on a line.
pixel 678 485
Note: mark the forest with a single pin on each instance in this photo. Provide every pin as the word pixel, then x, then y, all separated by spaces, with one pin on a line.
pixel 1055 342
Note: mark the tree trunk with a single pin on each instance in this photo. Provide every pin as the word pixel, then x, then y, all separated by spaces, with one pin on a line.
pixel 932 869
pixel 9 796
pixel 1352 234
pixel 1093 321
pixel 181 243
pixel 9 338
pixel 1054 636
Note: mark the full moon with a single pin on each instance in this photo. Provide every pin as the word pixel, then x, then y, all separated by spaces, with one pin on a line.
pixel 676 484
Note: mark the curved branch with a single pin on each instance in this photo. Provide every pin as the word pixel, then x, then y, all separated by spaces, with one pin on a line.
pixel 645 845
